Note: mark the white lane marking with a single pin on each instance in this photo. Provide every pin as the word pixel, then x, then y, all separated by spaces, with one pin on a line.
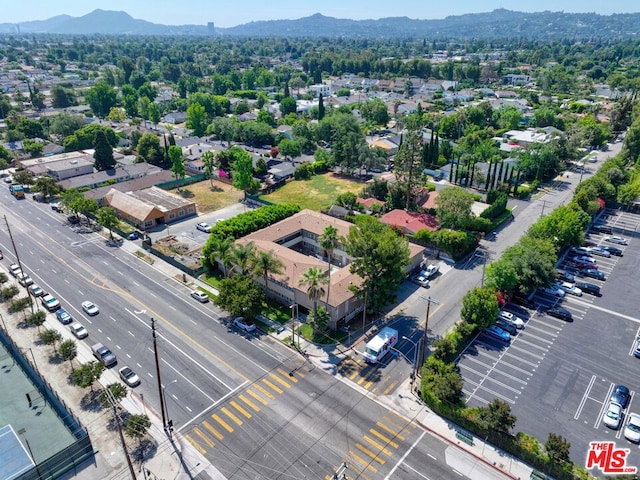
pixel 406 454
pixel 604 407
pixel 584 397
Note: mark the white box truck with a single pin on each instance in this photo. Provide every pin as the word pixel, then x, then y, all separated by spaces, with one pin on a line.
pixel 380 345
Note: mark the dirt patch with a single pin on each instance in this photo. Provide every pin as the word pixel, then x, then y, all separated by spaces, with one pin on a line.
pixel 210 196
pixel 180 251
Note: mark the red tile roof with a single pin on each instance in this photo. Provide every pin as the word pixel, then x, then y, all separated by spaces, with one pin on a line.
pixel 368 202
pixel 410 222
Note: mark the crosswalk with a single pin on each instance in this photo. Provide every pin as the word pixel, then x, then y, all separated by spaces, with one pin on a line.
pixel 367 375
pixel 234 413
pixel 376 446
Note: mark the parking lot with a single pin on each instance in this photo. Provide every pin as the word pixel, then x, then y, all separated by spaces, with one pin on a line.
pixel 558 376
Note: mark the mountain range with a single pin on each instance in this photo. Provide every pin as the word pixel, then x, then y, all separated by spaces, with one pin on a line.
pixel 500 23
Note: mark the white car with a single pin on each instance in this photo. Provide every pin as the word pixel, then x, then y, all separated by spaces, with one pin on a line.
pixel 422 281
pixel 204 227
pixel 50 302
pixel 613 416
pixel 129 377
pixel 615 239
pixel 200 296
pixel 35 290
pixel 601 252
pixel 14 269
pixel 632 429
pixel 246 325
pixel 24 279
pixel 78 330
pixel 90 308
pixel 430 271
pixel 570 288
pixel 511 318
pixel 555 291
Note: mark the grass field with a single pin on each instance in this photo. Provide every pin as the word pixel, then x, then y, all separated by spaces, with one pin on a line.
pixel 210 198
pixel 319 192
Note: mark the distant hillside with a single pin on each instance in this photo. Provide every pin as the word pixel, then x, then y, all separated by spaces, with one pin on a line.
pixel 500 23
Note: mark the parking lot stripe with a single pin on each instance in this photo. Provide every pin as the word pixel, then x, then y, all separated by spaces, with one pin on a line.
pixel 543 340
pixel 534 366
pixel 390 431
pixel 604 407
pixel 483 388
pixel 213 431
pixel 529 353
pixel 617 314
pixel 544 331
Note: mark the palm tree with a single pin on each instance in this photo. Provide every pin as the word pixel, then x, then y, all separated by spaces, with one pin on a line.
pixel 329 242
pixel 314 278
pixel 266 263
pixel 221 251
pixel 242 256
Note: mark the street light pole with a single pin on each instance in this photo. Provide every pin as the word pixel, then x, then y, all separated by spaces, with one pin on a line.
pixel 364 312
pixel 294 317
pixel 160 392
pixel 415 359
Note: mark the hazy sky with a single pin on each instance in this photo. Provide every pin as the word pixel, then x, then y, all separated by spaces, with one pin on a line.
pixel 228 14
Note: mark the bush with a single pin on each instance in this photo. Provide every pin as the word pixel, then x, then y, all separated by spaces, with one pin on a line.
pixel 498 205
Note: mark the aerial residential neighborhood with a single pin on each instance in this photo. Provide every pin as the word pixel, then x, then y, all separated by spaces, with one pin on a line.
pixel 390 251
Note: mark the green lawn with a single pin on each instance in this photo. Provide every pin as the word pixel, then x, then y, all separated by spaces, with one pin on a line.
pixel 317 193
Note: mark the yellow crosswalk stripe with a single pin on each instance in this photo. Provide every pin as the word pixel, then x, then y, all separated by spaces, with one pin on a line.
pixel 402 421
pixel 271 385
pixel 361 381
pixel 377 445
pixel 264 392
pixel 394 423
pixel 354 375
pixel 279 380
pixel 249 403
pixel 389 430
pixel 390 387
pixel 213 431
pixel 195 444
pixel 386 440
pixel 362 462
pixel 235 405
pixel 290 377
pixel 204 437
pixel 368 384
pixel 366 451
pixel 257 397
pixel 224 424
pixel 230 414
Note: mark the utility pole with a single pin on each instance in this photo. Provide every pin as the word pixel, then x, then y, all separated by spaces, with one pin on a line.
pixel 423 348
pixel 124 444
pixel 155 353
pixel 18 260
pixel 544 204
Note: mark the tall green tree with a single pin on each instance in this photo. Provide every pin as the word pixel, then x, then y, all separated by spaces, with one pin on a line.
pixel 209 161
pixel 242 256
pixel 177 162
pixel 87 374
pixel 321 108
pixel 329 242
pixel 314 279
pixel 497 416
pixel 103 154
pixel 380 256
pixel 197 119
pixel 108 219
pixel 240 296
pixel 408 160
pixel 101 97
pixel 454 208
pixel 479 307
pixel 266 263
pixel 242 171
pixel 50 337
pixel 69 351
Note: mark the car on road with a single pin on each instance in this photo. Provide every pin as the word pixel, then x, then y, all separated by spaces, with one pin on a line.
pixel 90 308
pixel 616 239
pixel 612 250
pixel 50 302
pixel 64 316
pixel 561 313
pixel 421 280
pixel 35 290
pixel 503 324
pixel 632 428
pixel 554 291
pixel 129 377
pixel 566 276
pixel 497 333
pixel 24 279
pixel 511 318
pixel 200 296
pixel 612 417
pixel 569 288
pixel 243 324
pixel 204 227
pixel 601 229
pixel 78 330
pixel 601 252
pixel 621 395
pixel 590 288
pixel 592 273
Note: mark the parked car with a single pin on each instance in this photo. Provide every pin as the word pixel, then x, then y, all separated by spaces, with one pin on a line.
pixel 104 355
pixel 621 395
pixel 590 288
pixel 611 418
pixel 78 330
pixel 242 324
pixel 50 302
pixel 64 316
pixel 200 296
pixel 421 280
pixel 430 271
pixel 90 308
pixel 569 288
pixel 523 300
pixel 14 269
pixel 601 252
pixel 601 229
pixel 612 250
pixel 129 377
pixel 204 227
pixel 134 236
pixel 561 313
pixel 582 264
pixel 632 429
pixel 566 276
pixel 35 290
pixel 24 279
pixel 497 333
pixel 580 250
pixel 616 239
pixel 585 259
pixel 554 291
pixel 503 324
pixel 511 319
pixel 593 273
pixel 636 348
